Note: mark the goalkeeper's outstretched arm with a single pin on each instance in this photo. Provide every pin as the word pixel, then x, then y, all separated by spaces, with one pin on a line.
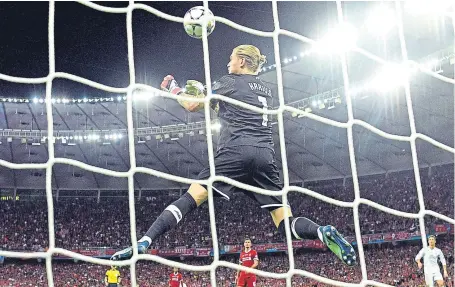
pixel 190 106
pixel 192 89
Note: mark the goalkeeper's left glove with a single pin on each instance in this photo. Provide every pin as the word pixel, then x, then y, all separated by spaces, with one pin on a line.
pixel 194 88
pixel 169 84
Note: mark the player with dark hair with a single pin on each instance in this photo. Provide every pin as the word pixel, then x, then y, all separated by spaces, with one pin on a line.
pixel 245 153
pixel 248 258
pixel 175 278
pixel 431 254
pixel 112 278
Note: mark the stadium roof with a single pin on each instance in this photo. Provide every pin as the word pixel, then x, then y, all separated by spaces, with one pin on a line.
pixel 314 150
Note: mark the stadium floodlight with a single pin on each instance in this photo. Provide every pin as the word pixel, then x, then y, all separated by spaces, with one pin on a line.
pixel 140 95
pixel 340 39
pixel 120 136
pixel 381 21
pixel 35 100
pixel 85 100
pixel 391 76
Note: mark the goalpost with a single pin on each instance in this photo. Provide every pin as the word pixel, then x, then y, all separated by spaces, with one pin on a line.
pixel 53 74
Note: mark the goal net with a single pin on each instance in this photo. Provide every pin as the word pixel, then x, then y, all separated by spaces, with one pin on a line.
pixel 133 86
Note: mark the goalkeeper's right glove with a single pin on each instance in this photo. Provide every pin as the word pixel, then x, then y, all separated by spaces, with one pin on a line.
pixel 169 84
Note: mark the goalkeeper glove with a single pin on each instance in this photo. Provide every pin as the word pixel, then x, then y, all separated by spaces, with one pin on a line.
pixel 194 88
pixel 169 84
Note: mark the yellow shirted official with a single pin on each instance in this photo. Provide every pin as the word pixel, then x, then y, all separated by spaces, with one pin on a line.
pixel 112 277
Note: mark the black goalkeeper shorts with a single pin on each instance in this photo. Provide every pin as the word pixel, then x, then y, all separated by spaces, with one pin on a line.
pixel 112 285
pixel 250 165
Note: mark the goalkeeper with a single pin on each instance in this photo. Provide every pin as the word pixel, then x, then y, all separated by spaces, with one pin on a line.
pixel 245 153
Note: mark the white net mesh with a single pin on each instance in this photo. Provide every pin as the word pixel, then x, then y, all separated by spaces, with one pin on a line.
pixel 278 112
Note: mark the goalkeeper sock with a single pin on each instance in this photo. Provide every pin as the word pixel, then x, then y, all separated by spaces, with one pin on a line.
pixel 169 218
pixel 301 228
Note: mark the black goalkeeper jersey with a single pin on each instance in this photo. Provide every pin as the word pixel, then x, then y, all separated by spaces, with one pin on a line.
pixel 240 126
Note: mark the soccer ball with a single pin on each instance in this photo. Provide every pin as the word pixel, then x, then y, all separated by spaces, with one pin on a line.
pixel 195 30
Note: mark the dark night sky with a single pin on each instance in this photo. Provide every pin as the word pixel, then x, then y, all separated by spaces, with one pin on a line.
pixel 93 44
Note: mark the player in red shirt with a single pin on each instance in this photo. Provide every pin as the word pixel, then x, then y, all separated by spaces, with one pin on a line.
pixel 248 258
pixel 175 279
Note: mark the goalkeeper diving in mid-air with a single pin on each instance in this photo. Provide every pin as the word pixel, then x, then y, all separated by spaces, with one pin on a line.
pixel 245 153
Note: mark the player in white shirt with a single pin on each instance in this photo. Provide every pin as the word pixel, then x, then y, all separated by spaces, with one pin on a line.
pixel 430 256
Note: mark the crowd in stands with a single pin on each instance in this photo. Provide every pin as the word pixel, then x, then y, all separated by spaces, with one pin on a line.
pixel 393 265
pixel 82 222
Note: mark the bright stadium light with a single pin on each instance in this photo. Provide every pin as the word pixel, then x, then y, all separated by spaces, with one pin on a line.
pixel 140 95
pixel 381 21
pixel 35 100
pixel 391 76
pixel 340 39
